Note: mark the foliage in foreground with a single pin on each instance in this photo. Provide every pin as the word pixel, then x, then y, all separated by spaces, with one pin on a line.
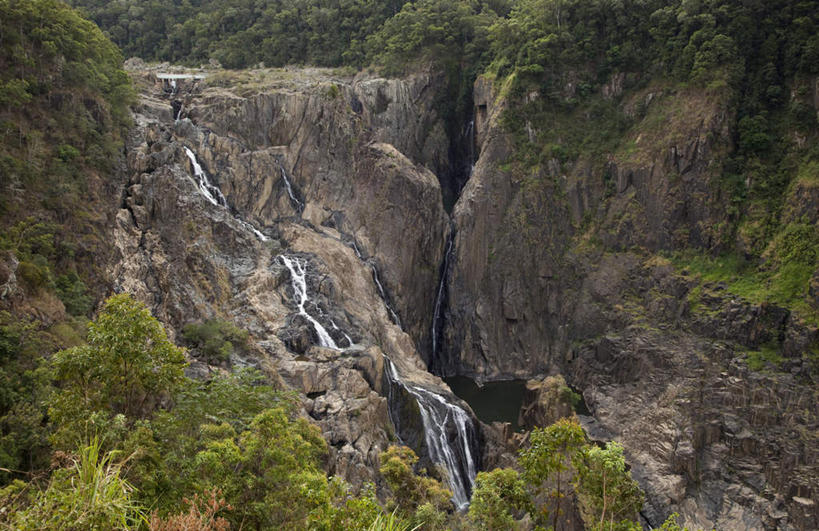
pixel 232 451
pixel 559 465
pixel 88 494
pixel 234 435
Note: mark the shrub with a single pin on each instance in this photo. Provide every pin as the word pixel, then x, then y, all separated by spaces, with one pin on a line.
pixel 89 494
pixel 215 339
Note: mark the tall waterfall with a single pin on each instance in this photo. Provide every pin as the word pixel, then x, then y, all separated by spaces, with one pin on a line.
pixel 438 311
pixel 448 433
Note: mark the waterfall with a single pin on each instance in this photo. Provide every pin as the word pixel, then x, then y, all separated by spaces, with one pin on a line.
pixel 469 137
pixel 293 199
pixel 440 418
pixel 390 310
pixel 211 192
pixel 208 189
pixel 437 314
pixel 298 279
pixel 381 291
pixel 342 332
pixel 179 113
pixel 252 229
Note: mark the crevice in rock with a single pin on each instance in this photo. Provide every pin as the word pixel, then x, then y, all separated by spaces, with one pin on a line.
pixel 462 159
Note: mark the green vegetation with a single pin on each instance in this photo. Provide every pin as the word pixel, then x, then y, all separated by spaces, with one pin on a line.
pixel 129 432
pixel 242 33
pixel 557 463
pixel 759 359
pixel 89 494
pixel 108 433
pixel 63 106
pixel 548 458
pixel 215 339
pixel 498 497
pixel 418 496
pixel 126 366
pixel 783 280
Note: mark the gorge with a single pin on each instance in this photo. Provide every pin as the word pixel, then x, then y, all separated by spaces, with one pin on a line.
pixel 489 264
pixel 615 318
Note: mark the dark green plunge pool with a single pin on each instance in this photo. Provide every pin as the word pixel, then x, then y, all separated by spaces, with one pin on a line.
pixel 492 402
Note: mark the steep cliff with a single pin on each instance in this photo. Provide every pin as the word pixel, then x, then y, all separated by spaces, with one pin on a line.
pixel 556 270
pixel 309 171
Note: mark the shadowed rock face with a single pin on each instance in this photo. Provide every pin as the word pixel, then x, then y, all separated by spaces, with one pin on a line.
pixel 360 197
pixel 659 363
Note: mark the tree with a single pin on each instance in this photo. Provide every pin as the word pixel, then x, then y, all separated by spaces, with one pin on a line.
pixel 215 339
pixel 548 457
pixel 269 474
pixel 409 489
pixel 608 495
pixel 497 497
pixel 125 369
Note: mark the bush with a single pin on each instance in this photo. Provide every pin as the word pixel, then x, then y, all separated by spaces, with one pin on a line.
pixel 215 340
pixel 410 490
pixel 125 369
pixel 35 277
pixel 73 292
pixel 89 494
pixel 497 498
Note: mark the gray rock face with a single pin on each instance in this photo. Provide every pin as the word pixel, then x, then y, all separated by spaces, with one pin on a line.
pixel 354 202
pixel 660 363
pixel 340 172
pixel 359 159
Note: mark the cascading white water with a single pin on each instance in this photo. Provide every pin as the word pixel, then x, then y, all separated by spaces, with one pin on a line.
pixel 357 252
pixel 299 205
pixel 208 189
pixel 298 278
pixel 436 414
pixel 469 136
pixel 211 192
pixel 378 285
pixel 390 310
pixel 252 229
pixel 342 332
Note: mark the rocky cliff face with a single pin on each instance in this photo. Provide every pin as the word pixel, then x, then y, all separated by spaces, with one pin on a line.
pixel 324 170
pixel 554 272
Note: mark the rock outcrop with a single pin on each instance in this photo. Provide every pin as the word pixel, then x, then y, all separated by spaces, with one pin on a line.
pixel 343 174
